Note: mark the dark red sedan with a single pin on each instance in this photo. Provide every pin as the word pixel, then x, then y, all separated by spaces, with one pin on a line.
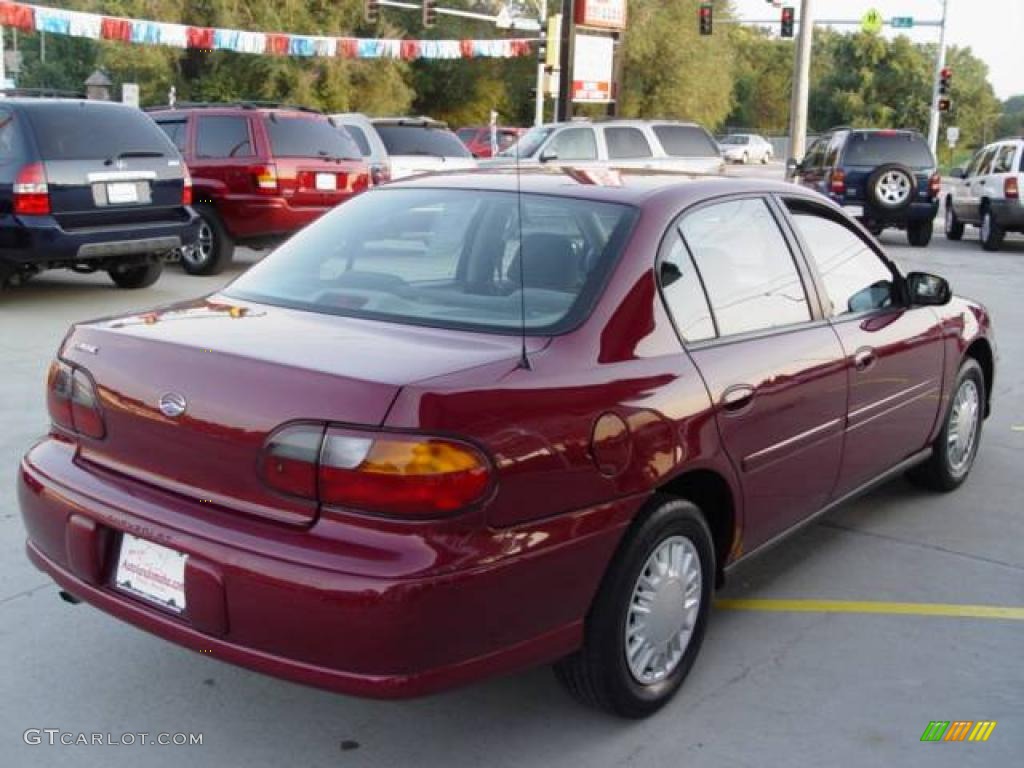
pixel 453 429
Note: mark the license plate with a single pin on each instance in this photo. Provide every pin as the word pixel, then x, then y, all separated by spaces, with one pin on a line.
pixel 857 211
pixel 122 192
pixel 152 572
pixel 326 181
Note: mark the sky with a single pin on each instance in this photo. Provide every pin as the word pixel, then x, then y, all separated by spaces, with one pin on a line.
pixel 993 29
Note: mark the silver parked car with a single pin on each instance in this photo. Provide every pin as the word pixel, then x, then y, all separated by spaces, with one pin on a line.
pixel 662 145
pixel 746 148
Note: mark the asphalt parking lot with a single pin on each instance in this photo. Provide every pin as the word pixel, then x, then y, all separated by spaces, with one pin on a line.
pixel 788 687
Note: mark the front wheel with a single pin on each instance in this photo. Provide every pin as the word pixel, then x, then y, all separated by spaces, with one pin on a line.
pixel 135 276
pixel 647 623
pixel 954 227
pixel 919 233
pixel 956 447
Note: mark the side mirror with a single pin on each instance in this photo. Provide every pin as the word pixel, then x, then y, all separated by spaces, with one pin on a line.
pixel 670 272
pixel 958 173
pixel 793 167
pixel 928 290
pixel 548 155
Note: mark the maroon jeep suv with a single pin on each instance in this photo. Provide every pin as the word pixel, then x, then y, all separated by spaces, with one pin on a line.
pixel 261 172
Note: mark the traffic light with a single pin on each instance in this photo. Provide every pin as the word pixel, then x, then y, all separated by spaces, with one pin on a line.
pixel 371 11
pixel 945 82
pixel 788 17
pixel 429 13
pixel 706 18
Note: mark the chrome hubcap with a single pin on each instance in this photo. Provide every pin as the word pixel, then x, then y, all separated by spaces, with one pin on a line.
pixel 893 188
pixel 203 249
pixel 663 610
pixel 963 427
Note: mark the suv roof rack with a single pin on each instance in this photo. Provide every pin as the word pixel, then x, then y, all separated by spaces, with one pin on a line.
pixel 41 93
pixel 248 104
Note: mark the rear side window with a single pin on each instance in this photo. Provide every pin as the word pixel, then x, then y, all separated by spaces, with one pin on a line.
pixel 359 137
pixel 626 143
pixel 1004 159
pixel 685 141
pixel 80 130
pixel 746 265
pixel 420 140
pixel 11 148
pixel 177 132
pixel 309 137
pixel 467 134
pixel 223 136
pixel 873 149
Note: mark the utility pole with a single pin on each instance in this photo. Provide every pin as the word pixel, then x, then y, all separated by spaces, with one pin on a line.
pixel 801 77
pixel 565 64
pixel 538 118
pixel 940 62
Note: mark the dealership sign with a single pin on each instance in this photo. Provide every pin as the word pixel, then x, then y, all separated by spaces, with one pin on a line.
pixel 592 69
pixel 606 14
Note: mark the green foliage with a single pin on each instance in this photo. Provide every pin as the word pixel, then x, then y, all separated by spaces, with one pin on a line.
pixel 763 81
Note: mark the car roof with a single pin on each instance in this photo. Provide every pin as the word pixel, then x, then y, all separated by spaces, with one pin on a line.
pixel 632 187
pixel 422 122
pixel 48 103
pixel 612 122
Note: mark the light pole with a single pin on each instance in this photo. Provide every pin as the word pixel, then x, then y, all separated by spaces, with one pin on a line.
pixel 801 86
pixel 538 117
pixel 940 62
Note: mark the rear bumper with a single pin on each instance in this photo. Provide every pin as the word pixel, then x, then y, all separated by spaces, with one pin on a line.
pixel 258 218
pixel 919 210
pixel 1009 214
pixel 299 605
pixel 42 240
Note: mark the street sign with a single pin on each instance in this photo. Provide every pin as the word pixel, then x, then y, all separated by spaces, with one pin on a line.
pixel 592 69
pixel 130 94
pixel 605 14
pixel 952 135
pixel 871 22
pixel 901 22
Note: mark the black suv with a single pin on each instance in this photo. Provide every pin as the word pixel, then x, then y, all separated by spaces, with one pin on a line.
pixel 89 186
pixel 889 177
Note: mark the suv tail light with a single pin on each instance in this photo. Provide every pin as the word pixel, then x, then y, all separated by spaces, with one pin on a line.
pixel 186 189
pixel 72 402
pixel 934 185
pixel 1011 188
pixel 407 475
pixel 380 173
pixel 31 192
pixel 266 178
pixel 837 182
pixel 360 182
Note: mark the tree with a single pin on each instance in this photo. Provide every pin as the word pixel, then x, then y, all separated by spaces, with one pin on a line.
pixel 762 83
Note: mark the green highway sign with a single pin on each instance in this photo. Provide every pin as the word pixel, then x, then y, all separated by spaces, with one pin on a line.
pixel 901 22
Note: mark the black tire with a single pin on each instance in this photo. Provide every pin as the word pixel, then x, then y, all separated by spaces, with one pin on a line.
pixel 899 175
pixel 919 233
pixel 989 231
pixel 954 227
pixel 940 473
pixel 599 674
pixel 215 248
pixel 133 276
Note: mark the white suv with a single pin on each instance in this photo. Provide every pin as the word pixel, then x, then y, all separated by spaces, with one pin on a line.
pixel 987 194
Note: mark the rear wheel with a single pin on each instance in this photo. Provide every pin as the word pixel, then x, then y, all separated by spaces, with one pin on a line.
pixel 213 249
pixel 132 276
pixel 955 448
pixel 954 227
pixel 991 233
pixel 919 233
pixel 647 622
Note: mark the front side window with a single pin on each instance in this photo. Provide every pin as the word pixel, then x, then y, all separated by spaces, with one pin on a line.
pixel 626 143
pixel 575 144
pixel 684 294
pixel 223 136
pixel 448 258
pixel 746 265
pixel 855 278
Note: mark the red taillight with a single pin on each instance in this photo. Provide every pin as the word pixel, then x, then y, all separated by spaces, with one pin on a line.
pixel 934 185
pixel 72 401
pixel 837 182
pixel 360 182
pixel 186 189
pixel 1011 188
pixel 266 178
pixel 380 174
pixel 31 192
pixel 404 475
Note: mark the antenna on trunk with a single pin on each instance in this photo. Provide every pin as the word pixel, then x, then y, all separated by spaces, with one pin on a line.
pixel 524 361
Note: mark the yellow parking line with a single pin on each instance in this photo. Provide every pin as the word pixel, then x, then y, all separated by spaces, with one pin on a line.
pixel 861 606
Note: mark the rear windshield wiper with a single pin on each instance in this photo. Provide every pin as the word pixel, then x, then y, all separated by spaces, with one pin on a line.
pixel 133 153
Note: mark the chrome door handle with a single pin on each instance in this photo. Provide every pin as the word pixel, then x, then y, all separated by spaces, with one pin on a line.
pixel 863 358
pixel 737 397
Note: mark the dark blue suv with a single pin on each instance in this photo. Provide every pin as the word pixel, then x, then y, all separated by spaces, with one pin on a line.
pixel 888 176
pixel 89 186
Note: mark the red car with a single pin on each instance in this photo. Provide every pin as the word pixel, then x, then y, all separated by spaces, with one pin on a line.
pixel 450 431
pixel 259 173
pixel 478 138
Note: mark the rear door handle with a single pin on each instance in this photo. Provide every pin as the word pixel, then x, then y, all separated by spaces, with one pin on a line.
pixel 737 397
pixel 863 358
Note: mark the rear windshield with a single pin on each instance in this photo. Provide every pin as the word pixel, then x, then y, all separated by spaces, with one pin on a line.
pixel 449 259
pixel 81 130
pixel 420 140
pixel 873 149
pixel 309 137
pixel 685 141
pixel 360 139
